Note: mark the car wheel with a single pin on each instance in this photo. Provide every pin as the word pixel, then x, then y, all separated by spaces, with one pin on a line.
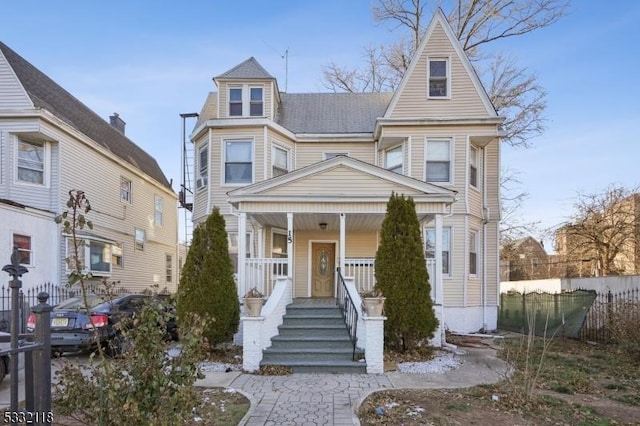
pixel 3 368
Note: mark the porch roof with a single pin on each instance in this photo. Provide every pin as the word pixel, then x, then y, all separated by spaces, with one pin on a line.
pixel 342 183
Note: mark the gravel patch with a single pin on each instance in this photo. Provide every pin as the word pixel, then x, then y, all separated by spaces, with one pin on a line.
pixel 440 363
pixel 219 367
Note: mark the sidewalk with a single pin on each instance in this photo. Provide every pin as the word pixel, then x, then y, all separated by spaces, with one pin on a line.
pixel 333 399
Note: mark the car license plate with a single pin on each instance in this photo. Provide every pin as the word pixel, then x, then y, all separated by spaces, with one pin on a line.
pixel 59 322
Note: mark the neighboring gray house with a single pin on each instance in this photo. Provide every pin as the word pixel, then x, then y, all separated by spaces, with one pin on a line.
pixel 51 143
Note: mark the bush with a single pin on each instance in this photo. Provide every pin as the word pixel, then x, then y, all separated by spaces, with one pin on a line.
pixel 624 322
pixel 207 287
pixel 148 385
pixel 401 276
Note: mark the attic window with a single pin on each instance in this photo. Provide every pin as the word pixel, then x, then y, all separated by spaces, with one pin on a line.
pixel 438 78
pixel 235 102
pixel 256 103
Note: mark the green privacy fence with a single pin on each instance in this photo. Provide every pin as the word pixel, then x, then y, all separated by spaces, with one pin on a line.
pixel 560 314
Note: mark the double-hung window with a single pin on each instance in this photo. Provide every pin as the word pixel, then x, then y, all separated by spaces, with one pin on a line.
pixel 438 78
pixel 94 256
pixel 256 102
pixel 238 166
pixel 31 162
pixel 140 237
pixel 473 252
pixel 159 207
pixel 24 248
pixel 125 189
pixel 430 247
pixel 393 160
pixel 117 255
pixel 233 248
pixel 279 250
pixel 438 160
pixel 473 166
pixel 280 161
pixel 235 102
pixel 203 167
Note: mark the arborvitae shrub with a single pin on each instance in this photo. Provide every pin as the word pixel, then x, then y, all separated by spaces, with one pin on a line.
pixel 401 276
pixel 207 287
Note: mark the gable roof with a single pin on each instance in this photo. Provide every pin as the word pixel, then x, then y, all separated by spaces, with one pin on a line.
pixel 439 19
pixel 48 95
pixel 331 112
pixel 266 188
pixel 249 69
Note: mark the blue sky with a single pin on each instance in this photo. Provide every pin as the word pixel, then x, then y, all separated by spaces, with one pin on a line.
pixel 151 61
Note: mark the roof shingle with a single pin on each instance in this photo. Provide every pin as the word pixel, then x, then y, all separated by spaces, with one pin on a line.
pixel 249 69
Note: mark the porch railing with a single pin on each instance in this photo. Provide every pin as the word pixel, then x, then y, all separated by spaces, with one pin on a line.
pixel 349 311
pixel 362 269
pixel 261 273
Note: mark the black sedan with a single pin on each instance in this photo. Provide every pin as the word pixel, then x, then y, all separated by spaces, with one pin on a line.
pixel 72 327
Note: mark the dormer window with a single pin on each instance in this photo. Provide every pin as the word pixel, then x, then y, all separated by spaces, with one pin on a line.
pixel 246 101
pixel 438 78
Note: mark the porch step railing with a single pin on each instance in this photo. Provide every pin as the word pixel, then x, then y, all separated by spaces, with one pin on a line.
pixel 349 311
pixel 362 269
pixel 261 273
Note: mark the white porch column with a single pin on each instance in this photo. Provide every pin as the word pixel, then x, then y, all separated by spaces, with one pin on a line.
pixel 437 282
pixel 242 250
pixel 290 246
pixel 343 242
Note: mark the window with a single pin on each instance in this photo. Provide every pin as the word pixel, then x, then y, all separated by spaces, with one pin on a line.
pixel 438 161
pixel 24 248
pixel 328 155
pixel 255 105
pixel 238 162
pixel 394 159
pixel 95 256
pixel 169 267
pixel 438 80
pixel 203 167
pixel 125 189
pixel 280 162
pixel 473 166
pixel 158 210
pixel 140 239
pixel 430 247
pixel 233 248
pixel 235 102
pixel 116 255
pixel 279 250
pixel 31 161
pixel 473 253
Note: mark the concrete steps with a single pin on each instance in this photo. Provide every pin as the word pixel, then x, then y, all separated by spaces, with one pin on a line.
pixel 313 339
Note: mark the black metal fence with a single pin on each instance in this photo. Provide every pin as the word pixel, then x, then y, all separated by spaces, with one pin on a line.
pixel 607 308
pixel 561 314
pixel 29 297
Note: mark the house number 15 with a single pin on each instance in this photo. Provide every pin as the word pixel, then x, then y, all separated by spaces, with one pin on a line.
pixel 289 237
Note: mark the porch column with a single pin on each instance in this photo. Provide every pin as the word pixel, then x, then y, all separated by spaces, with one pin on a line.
pixel 437 283
pixel 343 242
pixel 242 250
pixel 290 246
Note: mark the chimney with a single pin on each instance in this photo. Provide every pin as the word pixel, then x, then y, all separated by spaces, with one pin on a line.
pixel 117 122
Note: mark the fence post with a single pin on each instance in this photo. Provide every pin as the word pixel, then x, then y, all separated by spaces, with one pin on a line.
pixel 15 271
pixel 524 314
pixel 609 315
pixel 42 358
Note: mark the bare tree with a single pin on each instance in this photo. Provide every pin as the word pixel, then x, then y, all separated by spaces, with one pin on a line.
pixel 512 226
pixel 514 92
pixel 603 230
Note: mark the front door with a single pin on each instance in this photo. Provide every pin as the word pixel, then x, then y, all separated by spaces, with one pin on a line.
pixel 323 256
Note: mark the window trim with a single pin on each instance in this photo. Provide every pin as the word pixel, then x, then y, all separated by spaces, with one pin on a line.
pixel 474 154
pixel 223 169
pixel 386 164
pixel 473 249
pixel 46 147
pixel 158 213
pixel 273 156
pixel 202 179
pixel 426 160
pixel 447 59
pixel 29 250
pixel 448 229
pixel 245 100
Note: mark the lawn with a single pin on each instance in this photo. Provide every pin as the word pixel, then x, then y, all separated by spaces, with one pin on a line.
pixel 561 382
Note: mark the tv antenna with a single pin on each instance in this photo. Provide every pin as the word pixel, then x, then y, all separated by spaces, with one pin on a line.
pixel 285 56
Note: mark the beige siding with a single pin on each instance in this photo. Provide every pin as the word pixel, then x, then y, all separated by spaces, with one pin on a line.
pixel 13 94
pixel 306 207
pixel 465 100
pixel 492 159
pixel 312 152
pixel 342 181
pixel 200 195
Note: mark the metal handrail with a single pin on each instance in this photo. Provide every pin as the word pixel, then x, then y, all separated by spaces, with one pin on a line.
pixel 349 311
